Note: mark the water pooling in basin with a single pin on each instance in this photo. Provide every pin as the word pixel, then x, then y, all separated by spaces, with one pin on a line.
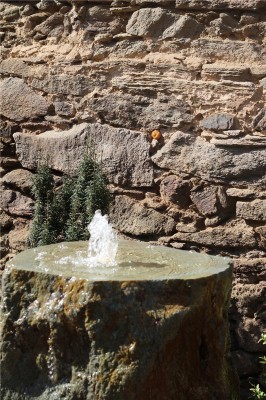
pixel 134 261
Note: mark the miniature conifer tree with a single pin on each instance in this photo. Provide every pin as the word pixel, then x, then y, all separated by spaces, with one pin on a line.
pixel 64 214
pixel 90 194
pixel 63 205
pixel 80 214
pixel 43 191
pixel 97 194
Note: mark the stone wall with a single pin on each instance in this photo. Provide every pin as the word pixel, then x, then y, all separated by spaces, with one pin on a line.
pixel 118 72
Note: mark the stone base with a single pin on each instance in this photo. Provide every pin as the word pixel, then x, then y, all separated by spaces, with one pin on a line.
pixel 136 340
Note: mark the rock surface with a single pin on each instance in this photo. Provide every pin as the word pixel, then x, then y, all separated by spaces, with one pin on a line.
pixel 219 122
pixel 19 101
pixel 184 153
pixel 20 179
pixel 118 340
pixel 254 210
pixel 124 154
pixel 128 216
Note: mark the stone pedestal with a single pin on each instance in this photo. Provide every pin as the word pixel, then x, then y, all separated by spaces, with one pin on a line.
pixel 69 338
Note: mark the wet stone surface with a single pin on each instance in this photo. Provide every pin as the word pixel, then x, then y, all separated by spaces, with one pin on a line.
pixel 77 339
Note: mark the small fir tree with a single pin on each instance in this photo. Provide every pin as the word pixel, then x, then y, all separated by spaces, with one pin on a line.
pixel 64 214
pixel 43 191
pixel 77 222
pixel 63 205
pixel 97 194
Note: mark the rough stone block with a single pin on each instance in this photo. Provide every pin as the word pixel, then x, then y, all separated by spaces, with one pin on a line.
pixel 77 85
pixel 4 245
pixel 5 220
pixel 19 101
pixel 139 111
pixel 10 12
pixel 195 156
pixel 176 190
pixel 49 24
pixel 220 72
pixel 63 108
pixel 20 179
pixel 18 237
pixel 234 234
pixel 149 22
pixel 206 200
pixel 261 231
pixel 219 122
pixel 249 332
pixel 253 210
pixel 131 217
pixel 16 204
pixel 259 122
pixel 15 66
pixel 224 50
pixel 124 154
pixel 66 337
pixel 210 200
pixel 246 364
pixel 220 4
pixel 184 27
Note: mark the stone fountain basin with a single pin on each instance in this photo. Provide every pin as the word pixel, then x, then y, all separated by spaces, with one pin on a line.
pixel 137 261
pixel 152 328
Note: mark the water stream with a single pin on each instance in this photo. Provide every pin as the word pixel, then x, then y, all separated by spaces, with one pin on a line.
pixel 103 243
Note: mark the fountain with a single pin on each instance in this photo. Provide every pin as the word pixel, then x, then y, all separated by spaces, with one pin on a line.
pixel 150 323
pixel 103 242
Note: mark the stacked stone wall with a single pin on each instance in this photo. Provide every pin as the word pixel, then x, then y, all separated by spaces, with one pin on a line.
pixel 116 71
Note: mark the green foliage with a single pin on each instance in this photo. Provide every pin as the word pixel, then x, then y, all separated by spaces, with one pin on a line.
pixel 64 214
pixel 43 191
pixel 97 194
pixel 63 205
pixel 257 392
pixel 263 340
pixel 79 218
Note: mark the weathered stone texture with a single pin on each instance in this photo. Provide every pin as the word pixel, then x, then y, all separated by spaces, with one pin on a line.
pixel 48 27
pixel 148 22
pixel 130 217
pixel 15 203
pixel 14 66
pixel 176 190
pixel 210 200
pixel 235 234
pixel 19 179
pixel 221 4
pixel 64 108
pixel 259 122
pixel 124 154
pixel 140 111
pixel 121 340
pixel 5 220
pixel 255 210
pixel 184 27
pixel 219 122
pixel 77 85
pixel 19 101
pixel 248 314
pixel 185 153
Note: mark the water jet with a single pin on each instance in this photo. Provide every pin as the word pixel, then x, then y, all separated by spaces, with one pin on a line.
pixel 151 326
